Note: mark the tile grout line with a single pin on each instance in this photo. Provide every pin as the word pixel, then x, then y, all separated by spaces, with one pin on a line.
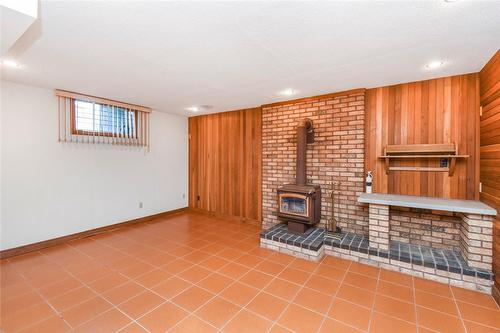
pixel 275 322
pixel 334 296
pixel 192 284
pixel 98 294
pixel 374 300
pixel 44 300
pixel 215 296
pixel 261 290
pixel 458 311
pixel 414 292
pixel 238 280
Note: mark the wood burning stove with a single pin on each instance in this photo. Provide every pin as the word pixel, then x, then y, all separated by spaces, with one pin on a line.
pixel 299 204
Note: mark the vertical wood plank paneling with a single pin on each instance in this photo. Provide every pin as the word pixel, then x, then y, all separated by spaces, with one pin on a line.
pixel 424 131
pixel 417 128
pixel 403 186
pixel 431 133
pixel 490 152
pixel 225 156
pixel 447 129
pixel 397 129
pixel 391 106
pixel 434 111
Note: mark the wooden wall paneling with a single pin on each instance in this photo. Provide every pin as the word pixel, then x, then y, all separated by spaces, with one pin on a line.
pixel 389 130
pixel 455 95
pixel 439 129
pixel 225 163
pixel 490 85
pixel 193 176
pixel 489 132
pixel 402 186
pixel 441 110
pixel 381 140
pixel 369 128
pixel 475 140
pixel 417 128
pixel 431 134
pixel 396 115
pixel 424 124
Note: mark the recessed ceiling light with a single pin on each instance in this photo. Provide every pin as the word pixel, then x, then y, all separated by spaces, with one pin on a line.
pixel 11 64
pixel 434 64
pixel 193 109
pixel 450 0
pixel 288 92
pixel 198 108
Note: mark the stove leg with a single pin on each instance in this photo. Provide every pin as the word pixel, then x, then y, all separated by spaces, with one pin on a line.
pixel 297 227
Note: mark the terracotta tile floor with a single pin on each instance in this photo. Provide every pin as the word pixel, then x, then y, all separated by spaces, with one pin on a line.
pixel 193 273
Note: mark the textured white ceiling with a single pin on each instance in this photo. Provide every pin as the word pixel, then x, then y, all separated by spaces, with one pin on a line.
pixel 172 55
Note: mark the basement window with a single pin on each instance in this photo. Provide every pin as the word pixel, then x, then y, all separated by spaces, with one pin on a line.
pixel 96 120
pixel 90 118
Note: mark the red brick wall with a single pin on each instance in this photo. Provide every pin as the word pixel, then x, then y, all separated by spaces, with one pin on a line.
pixel 336 155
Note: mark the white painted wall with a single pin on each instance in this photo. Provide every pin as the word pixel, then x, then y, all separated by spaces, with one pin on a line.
pixel 51 189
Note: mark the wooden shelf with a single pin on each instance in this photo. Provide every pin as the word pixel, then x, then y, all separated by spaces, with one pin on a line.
pixel 447 151
pixel 424 156
pixel 429 148
pixel 415 168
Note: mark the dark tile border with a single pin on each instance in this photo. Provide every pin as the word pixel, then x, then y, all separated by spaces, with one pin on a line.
pixel 312 239
pixel 440 259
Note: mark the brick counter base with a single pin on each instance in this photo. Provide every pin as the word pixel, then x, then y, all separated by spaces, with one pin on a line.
pixel 476 235
pixel 316 243
pixel 456 279
pixel 378 227
pixel 476 240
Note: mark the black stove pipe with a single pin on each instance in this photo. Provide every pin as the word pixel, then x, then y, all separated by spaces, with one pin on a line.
pixel 301 170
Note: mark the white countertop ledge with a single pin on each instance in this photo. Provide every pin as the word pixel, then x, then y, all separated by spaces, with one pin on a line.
pixel 450 205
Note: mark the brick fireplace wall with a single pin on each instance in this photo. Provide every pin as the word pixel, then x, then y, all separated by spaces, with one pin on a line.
pixel 425 227
pixel 337 155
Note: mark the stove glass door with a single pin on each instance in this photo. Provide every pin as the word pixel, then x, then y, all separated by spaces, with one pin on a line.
pixel 294 204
